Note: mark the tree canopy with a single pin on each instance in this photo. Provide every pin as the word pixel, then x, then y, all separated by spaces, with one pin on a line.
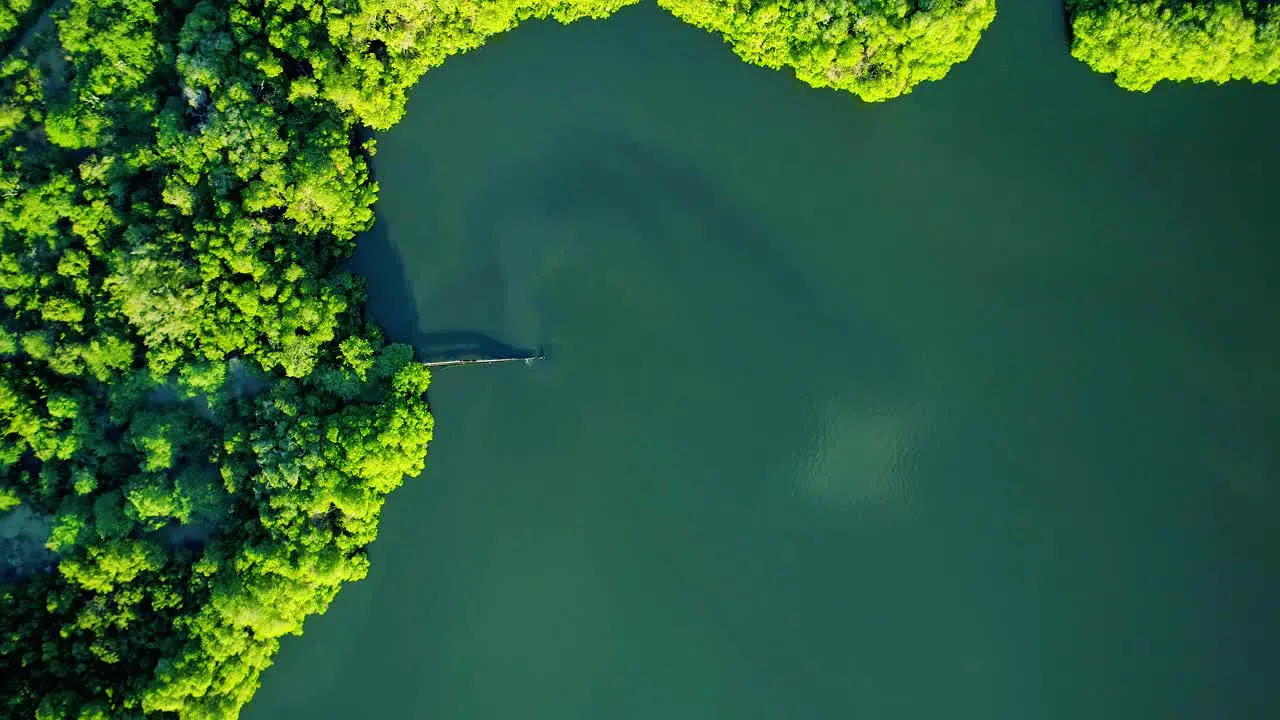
pixel 174 218
pixel 362 55
pixel 12 15
pixel 193 400
pixel 1145 41
pixel 877 49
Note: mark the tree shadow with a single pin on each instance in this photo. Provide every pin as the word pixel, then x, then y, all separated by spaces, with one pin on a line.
pixel 389 290
pixel 710 497
pixel 603 174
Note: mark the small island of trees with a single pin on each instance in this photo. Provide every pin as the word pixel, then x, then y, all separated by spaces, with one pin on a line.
pixel 197 414
pixel 876 49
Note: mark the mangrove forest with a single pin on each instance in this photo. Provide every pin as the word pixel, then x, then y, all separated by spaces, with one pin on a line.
pixel 200 420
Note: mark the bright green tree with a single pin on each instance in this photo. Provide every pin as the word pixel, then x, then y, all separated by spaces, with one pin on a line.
pixel 876 49
pixel 1143 42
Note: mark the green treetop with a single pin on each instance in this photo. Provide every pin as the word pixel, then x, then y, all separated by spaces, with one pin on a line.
pixel 877 49
pixel 1145 41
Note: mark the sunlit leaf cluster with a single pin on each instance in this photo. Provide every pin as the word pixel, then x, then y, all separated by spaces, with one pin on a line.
pixel 1143 42
pixel 877 49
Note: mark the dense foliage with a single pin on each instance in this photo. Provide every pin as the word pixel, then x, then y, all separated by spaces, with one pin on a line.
pixel 878 49
pixel 192 399
pixel 361 55
pixel 12 13
pixel 191 395
pixel 1146 41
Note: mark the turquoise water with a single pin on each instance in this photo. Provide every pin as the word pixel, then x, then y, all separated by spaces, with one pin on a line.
pixel 958 406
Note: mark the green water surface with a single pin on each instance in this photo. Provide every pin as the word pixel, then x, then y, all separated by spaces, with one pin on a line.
pixel 959 406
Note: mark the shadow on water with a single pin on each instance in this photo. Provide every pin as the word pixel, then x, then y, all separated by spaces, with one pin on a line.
pixel 758 368
pixel 684 424
pixel 394 307
pixel 673 450
pixel 610 177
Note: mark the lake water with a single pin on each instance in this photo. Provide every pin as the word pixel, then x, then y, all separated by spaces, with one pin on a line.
pixel 958 406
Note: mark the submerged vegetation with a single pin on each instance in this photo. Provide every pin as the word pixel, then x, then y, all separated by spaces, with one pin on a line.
pixel 877 49
pixel 1145 41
